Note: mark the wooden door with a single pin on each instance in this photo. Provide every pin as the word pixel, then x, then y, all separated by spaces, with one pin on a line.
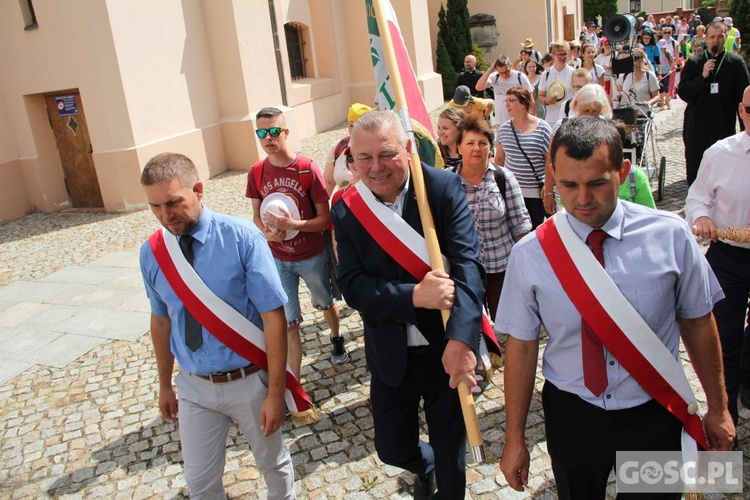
pixel 72 135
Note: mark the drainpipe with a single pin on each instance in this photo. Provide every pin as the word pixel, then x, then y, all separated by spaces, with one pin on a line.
pixel 549 22
pixel 277 52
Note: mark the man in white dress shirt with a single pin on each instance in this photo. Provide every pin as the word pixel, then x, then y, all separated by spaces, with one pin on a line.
pixel 718 198
pixel 670 286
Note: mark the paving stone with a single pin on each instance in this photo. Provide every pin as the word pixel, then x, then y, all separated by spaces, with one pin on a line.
pixel 89 426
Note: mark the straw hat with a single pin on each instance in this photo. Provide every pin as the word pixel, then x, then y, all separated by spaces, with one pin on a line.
pixel 528 43
pixel 558 90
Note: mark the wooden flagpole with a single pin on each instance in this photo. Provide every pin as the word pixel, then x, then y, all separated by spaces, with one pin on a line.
pixel 468 408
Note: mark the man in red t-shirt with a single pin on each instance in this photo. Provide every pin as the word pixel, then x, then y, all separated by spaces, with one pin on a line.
pixel 302 255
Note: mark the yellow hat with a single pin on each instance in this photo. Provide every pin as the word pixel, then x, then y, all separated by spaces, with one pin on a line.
pixel 356 110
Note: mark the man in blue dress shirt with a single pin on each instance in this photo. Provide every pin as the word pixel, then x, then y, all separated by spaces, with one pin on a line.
pixel 655 262
pixel 216 385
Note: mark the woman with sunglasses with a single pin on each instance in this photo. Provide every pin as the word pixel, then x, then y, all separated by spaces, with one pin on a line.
pixel 651 49
pixel 641 87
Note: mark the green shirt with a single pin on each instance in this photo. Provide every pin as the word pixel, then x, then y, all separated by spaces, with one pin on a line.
pixel 643 194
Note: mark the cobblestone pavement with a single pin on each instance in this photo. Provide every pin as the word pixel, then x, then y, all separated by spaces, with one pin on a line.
pixel 92 429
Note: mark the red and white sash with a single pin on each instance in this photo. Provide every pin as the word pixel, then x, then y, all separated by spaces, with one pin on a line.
pixel 222 320
pixel 401 242
pixel 619 326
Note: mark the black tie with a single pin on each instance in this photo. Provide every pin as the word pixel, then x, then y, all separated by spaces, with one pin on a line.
pixel 193 329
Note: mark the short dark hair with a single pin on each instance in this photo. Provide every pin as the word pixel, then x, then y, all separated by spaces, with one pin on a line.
pixel 502 62
pixel 583 135
pixel 523 96
pixel 717 24
pixel 472 124
pixel 268 112
pixel 165 167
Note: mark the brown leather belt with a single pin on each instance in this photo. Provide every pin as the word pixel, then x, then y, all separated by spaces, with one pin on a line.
pixel 223 377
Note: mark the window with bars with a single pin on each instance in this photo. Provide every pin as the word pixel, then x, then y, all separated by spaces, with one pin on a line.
pixel 29 18
pixel 295 45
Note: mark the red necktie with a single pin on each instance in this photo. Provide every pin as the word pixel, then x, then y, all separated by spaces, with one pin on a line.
pixel 594 366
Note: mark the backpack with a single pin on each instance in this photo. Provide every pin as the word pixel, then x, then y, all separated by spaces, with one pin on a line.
pixel 499 180
pixel 340 147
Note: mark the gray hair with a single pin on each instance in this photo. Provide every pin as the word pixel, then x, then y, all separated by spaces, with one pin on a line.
pixel 595 94
pixel 165 167
pixel 374 121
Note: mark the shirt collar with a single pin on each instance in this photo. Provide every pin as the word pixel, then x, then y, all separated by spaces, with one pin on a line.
pixel 200 231
pixel 613 226
pixel 400 198
pixel 745 142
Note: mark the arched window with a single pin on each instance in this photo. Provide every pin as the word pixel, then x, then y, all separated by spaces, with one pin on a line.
pixel 297 46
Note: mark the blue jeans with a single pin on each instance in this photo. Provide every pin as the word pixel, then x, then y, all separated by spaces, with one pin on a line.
pixel 315 273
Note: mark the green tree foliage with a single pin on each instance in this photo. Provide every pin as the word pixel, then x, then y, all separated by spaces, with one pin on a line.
pixel 605 8
pixel 482 64
pixel 444 66
pixel 455 34
pixel 739 10
pixel 705 14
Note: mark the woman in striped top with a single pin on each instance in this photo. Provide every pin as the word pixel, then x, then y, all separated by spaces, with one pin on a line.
pixel 522 147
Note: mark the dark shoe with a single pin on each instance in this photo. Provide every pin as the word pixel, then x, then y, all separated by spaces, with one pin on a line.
pixel 745 395
pixel 424 486
pixel 339 354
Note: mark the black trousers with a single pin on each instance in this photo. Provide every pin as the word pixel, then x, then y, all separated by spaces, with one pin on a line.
pixel 395 413
pixel 732 268
pixel 536 211
pixel 582 440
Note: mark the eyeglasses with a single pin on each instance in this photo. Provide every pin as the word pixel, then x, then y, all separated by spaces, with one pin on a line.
pixel 747 109
pixel 561 54
pixel 273 131
pixel 504 73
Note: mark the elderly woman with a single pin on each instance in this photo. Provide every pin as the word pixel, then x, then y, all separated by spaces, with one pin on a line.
pixel 336 173
pixel 522 147
pixel 591 100
pixel 495 200
pixel 447 132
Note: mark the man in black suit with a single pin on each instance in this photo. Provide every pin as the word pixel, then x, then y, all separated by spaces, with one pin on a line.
pixel 711 84
pixel 410 354
pixel 471 76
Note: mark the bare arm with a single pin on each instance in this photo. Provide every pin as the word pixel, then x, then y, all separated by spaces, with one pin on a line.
pixel 499 155
pixel 520 373
pixel 482 82
pixel 328 172
pixel 160 333
pixel 701 339
pixel 274 331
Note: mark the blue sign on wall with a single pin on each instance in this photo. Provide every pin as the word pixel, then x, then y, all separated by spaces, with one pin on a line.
pixel 66 105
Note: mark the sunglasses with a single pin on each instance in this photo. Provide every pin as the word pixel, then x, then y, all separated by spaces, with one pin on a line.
pixel 273 131
pixel 747 109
